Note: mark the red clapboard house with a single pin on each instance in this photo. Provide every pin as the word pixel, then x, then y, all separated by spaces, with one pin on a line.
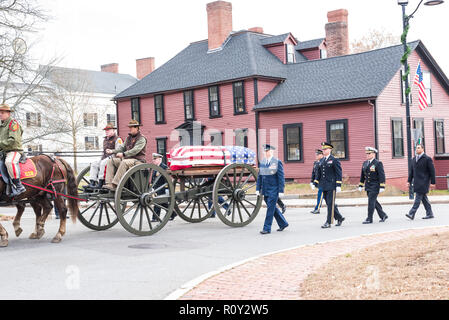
pixel 295 94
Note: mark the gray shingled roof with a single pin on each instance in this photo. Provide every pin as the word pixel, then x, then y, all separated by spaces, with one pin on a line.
pixel 309 44
pixel 90 81
pixel 274 39
pixel 349 77
pixel 243 56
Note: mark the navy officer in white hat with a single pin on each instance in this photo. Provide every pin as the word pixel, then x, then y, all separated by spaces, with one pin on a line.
pixel 372 179
pixel 270 184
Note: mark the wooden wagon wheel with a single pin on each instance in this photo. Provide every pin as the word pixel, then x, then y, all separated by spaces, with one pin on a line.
pixel 233 202
pixel 194 200
pixel 136 202
pixel 99 214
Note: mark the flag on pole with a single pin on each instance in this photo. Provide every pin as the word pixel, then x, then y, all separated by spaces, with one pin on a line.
pixel 421 89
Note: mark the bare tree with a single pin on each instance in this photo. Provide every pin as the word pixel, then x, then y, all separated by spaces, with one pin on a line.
pixel 374 39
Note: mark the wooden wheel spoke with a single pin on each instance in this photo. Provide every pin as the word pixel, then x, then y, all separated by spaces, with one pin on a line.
pixel 93 214
pixel 155 214
pixel 134 215
pixel 161 187
pixel 187 206
pixel 130 208
pixel 244 208
pixel 130 192
pixel 255 206
pixel 246 181
pixel 148 218
pixel 247 188
pixel 107 213
pixel 135 184
pixel 241 177
pixel 193 210
pixel 240 213
pixel 141 219
pixel 81 213
pixel 100 214
pixel 160 206
pixel 205 207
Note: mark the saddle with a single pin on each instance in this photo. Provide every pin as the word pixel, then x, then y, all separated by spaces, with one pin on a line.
pixel 27 170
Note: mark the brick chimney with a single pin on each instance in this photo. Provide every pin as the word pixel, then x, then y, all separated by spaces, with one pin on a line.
pixel 219 20
pixel 112 67
pixel 256 29
pixel 337 39
pixel 144 67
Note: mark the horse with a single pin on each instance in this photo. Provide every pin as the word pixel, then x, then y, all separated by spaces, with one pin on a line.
pixel 53 174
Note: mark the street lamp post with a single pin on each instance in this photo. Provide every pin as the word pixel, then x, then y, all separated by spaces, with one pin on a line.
pixel 405 25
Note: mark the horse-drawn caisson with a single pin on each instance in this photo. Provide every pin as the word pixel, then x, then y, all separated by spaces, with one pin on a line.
pixel 200 182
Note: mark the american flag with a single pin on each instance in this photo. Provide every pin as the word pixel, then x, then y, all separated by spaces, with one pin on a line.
pixel 421 89
pixel 195 156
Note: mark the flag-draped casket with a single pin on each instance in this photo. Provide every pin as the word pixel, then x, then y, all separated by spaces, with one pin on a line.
pixel 196 156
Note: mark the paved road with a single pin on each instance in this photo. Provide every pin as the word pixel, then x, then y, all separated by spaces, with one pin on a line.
pixel 114 264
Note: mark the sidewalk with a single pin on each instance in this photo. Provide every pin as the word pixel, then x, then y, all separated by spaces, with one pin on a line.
pixel 292 266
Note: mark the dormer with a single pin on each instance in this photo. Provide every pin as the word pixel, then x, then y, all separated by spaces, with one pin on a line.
pixel 313 49
pixel 282 46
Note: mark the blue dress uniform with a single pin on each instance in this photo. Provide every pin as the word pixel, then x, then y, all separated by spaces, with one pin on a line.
pixel 329 177
pixel 373 179
pixel 270 182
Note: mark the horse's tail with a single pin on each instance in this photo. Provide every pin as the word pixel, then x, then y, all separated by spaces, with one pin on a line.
pixel 72 190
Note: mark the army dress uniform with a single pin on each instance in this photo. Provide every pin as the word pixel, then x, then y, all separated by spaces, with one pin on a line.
pixel 372 179
pixel 329 178
pixel 319 199
pixel 270 183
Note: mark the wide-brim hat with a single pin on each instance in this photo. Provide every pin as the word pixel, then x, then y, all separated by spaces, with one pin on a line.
pixel 134 123
pixel 5 107
pixel 326 145
pixel 109 126
pixel 157 155
pixel 267 147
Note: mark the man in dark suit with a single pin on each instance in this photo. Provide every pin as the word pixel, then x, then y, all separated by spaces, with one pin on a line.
pixel 316 165
pixel 270 184
pixel 373 179
pixel 329 179
pixel 422 174
pixel 157 183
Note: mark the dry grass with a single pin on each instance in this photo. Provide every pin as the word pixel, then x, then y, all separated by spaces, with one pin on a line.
pixel 413 268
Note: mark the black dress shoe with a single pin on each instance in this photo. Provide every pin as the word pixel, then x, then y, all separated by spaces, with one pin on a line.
pixel 385 217
pixel 326 225
pixel 264 232
pixel 315 211
pixel 428 217
pixel 410 217
pixel 340 222
pixel 367 221
pixel 282 229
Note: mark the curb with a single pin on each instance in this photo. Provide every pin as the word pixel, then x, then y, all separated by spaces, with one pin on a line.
pixel 186 287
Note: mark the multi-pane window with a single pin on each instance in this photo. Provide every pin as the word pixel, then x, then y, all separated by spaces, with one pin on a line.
pixel 397 137
pixel 33 119
pixel 135 109
pixel 111 118
pixel 337 135
pixel 323 53
pixel 159 108
pixel 293 142
pixel 90 120
pixel 189 111
pixel 439 137
pixel 239 97
pixel 290 53
pixel 91 143
pixel 241 137
pixel 214 102
pixel 418 132
pixel 34 148
pixel 428 86
pixel 161 147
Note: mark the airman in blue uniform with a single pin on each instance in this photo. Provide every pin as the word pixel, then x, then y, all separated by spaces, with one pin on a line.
pixel 329 179
pixel 270 184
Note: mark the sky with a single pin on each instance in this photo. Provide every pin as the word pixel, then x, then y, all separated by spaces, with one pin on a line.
pixel 86 34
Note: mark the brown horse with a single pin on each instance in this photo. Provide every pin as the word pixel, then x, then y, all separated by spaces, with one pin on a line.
pixel 48 170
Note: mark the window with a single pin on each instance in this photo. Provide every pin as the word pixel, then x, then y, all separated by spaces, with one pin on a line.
pixel 161 147
pixel 189 111
pixel 239 97
pixel 403 88
pixel 33 119
pixel 90 120
pixel 34 148
pixel 216 139
pixel 290 53
pixel 135 109
pixel 214 102
pixel 241 137
pixel 428 86
pixel 418 132
pixel 439 137
pixel 91 143
pixel 323 53
pixel 159 108
pixel 111 118
pixel 293 142
pixel 397 138
pixel 337 135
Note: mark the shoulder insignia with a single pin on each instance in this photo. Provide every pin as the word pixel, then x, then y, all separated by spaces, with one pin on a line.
pixel 120 141
pixel 13 125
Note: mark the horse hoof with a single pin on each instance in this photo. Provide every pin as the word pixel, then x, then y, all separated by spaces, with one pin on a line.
pixel 3 243
pixel 33 236
pixel 18 232
pixel 40 234
pixel 56 240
